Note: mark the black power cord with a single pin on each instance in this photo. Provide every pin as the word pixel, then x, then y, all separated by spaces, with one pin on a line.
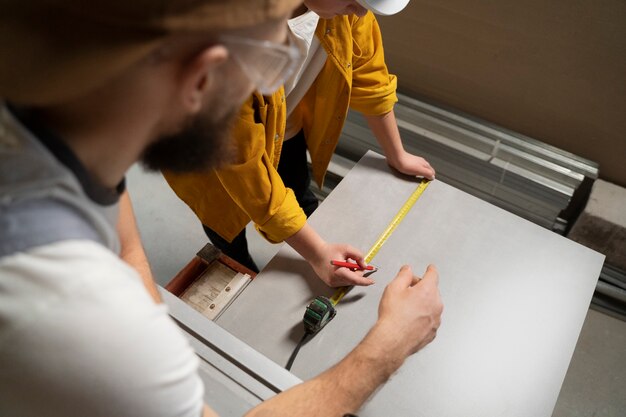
pixel 292 358
pixel 317 315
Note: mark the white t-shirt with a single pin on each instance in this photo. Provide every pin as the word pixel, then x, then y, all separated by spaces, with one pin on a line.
pixel 79 334
pixel 302 34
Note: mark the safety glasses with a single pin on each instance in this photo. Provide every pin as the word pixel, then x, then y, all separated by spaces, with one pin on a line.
pixel 267 64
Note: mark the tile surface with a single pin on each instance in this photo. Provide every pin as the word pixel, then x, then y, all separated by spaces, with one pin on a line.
pixel 516 296
pixel 595 384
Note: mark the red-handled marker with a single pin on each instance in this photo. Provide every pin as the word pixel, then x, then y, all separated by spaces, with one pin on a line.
pixel 352 265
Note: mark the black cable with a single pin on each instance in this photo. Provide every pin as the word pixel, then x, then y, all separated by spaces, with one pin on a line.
pixel 292 358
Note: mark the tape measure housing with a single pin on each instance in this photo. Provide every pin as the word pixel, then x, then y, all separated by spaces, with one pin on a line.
pixel 318 314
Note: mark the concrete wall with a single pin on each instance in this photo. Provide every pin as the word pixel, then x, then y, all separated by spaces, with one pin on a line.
pixel 553 70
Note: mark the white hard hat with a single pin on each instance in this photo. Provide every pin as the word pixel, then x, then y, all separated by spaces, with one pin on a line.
pixel 384 7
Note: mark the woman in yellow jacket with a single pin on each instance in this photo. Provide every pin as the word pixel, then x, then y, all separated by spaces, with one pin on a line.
pixel 268 179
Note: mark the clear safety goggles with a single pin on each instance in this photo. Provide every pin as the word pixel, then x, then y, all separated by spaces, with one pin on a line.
pixel 267 64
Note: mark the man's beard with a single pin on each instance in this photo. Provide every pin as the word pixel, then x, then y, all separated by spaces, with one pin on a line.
pixel 201 145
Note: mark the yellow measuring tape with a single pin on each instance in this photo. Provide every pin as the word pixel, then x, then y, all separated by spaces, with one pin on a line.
pixel 385 235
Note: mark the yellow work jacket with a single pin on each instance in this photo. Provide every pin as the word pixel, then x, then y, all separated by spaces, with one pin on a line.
pixel 249 188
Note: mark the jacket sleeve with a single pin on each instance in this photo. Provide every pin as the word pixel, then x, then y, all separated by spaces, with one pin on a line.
pixel 248 186
pixel 373 88
pixel 253 182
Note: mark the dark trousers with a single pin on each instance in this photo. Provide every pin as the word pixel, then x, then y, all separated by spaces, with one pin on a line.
pixel 294 171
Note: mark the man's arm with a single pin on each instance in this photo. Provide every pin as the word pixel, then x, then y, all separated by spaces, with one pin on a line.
pixel 408 317
pixel 374 94
pixel 385 129
pixel 207 412
pixel 132 251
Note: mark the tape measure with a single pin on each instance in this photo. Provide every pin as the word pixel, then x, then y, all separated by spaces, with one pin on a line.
pixel 322 310
pixel 318 314
pixel 408 204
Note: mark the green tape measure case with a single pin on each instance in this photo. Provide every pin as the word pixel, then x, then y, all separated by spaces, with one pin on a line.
pixel 318 314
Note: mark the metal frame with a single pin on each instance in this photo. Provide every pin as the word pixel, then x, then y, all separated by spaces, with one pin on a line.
pixel 520 174
pixel 236 376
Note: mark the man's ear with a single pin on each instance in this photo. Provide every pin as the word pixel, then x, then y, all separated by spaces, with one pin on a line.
pixel 196 76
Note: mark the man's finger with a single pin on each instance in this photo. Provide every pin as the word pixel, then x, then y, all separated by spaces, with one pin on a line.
pixel 363 282
pixel 361 263
pixel 429 173
pixel 404 278
pixel 356 255
pixel 425 172
pixel 431 275
pixel 348 277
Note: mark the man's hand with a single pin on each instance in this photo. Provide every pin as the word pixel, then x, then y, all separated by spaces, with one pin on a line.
pixel 339 276
pixel 408 318
pixel 318 254
pixel 409 312
pixel 411 164
pixel 385 128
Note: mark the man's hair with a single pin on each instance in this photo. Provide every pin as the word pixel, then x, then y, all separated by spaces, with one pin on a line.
pixel 55 50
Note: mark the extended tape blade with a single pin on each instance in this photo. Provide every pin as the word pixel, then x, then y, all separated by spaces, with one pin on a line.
pixel 397 219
